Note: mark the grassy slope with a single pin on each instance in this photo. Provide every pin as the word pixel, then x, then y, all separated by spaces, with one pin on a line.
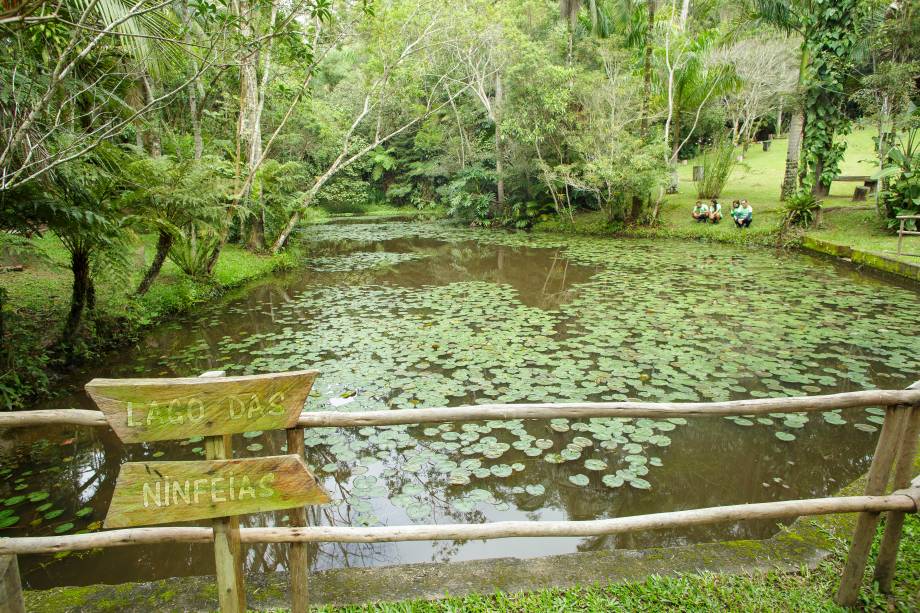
pixel 758 179
pixel 44 287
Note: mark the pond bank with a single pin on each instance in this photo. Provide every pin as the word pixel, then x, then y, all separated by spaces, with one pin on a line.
pixel 810 550
pixel 38 299
pixel 863 258
pixel 854 245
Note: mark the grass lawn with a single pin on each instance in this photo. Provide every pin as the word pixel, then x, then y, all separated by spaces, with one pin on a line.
pixel 758 179
pixel 44 287
pixel 807 590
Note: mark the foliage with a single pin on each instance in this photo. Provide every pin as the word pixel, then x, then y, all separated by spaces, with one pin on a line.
pixel 717 162
pixel 279 188
pixel 524 215
pixel 347 194
pixel 801 210
pixel 834 34
pixel 465 197
pixel 192 250
pixel 902 197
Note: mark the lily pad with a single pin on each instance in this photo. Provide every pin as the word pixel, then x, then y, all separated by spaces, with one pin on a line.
pixel 595 464
pixel 8 521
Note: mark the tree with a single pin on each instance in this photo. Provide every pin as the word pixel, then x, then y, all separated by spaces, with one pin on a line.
pixel 831 32
pixel 791 17
pixel 838 27
pixel 86 217
pixel 690 76
pixel 482 51
pixel 766 71
pixel 171 194
pixel 399 92
pixel 67 82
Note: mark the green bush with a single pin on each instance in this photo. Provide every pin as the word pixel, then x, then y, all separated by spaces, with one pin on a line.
pixel 717 162
pixel 345 195
pixel 801 210
pixel 902 197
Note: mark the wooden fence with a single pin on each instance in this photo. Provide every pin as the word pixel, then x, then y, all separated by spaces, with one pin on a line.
pixel 891 465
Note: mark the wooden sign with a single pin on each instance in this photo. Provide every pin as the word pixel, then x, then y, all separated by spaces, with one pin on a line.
pixel 140 410
pixel 165 492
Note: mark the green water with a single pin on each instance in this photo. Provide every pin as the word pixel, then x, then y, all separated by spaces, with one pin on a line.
pixel 402 315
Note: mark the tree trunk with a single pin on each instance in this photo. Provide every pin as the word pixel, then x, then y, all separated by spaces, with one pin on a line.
pixel 675 150
pixel 882 153
pixel 212 259
pixel 779 122
pixel 647 69
pixel 250 135
pixel 154 146
pixel 164 242
pixel 676 131
pixel 499 173
pixel 257 228
pixel 194 116
pixel 820 189
pixel 635 211
pixel 796 132
pixel 791 176
pixel 283 237
pixel 79 266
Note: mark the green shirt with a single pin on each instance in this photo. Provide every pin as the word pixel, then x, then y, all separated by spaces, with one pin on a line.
pixel 700 209
pixel 716 208
pixel 736 212
pixel 745 211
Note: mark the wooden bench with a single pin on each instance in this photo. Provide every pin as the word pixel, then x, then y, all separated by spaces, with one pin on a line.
pixel 866 180
pixel 902 232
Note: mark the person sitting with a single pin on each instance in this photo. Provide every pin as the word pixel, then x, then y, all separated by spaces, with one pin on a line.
pixel 736 206
pixel 700 211
pixel 715 211
pixel 744 215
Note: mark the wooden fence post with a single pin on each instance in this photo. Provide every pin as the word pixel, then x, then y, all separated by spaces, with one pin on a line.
pixel 10 586
pixel 298 561
pixel 866 522
pixel 894 522
pixel 228 558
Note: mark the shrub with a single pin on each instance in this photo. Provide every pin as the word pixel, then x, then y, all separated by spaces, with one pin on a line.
pixel 346 194
pixel 902 196
pixel 718 162
pixel 801 210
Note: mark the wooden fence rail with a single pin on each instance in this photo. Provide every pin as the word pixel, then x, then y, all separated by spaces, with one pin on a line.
pixel 894 455
pixel 478 412
pixel 902 501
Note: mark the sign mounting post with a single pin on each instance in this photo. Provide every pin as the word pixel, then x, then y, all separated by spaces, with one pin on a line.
pixel 220 487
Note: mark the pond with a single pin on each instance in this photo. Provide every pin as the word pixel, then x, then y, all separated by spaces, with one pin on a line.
pixel 403 315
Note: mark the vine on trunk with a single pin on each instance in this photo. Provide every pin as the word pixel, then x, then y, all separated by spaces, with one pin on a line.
pixel 834 33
